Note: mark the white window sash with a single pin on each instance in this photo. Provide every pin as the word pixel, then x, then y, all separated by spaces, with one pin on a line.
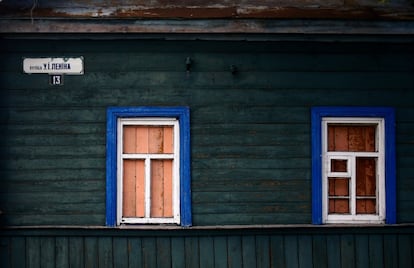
pixel 147 219
pixel 351 168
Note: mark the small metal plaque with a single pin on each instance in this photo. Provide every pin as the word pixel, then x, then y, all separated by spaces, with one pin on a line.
pixel 70 66
pixel 56 79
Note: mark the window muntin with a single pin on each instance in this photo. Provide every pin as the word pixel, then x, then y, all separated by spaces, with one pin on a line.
pixel 148 173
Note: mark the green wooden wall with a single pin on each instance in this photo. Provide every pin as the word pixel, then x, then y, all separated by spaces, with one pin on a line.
pixel 250 248
pixel 250 131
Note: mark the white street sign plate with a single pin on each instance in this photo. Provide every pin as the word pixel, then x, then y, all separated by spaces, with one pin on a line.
pixel 71 66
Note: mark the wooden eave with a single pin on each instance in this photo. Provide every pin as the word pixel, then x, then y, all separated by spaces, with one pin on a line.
pixel 209 20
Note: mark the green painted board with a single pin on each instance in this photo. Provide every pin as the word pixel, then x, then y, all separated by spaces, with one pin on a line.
pixel 277 252
pixel 250 252
pixel 105 252
pixel 319 251
pixel 206 251
pixel 347 251
pixel 47 252
pixel 178 252
pixel 291 251
pixel 234 251
pixel 33 258
pixel 149 252
pixel 262 245
pixel 362 251
pixel 192 252
pixel 91 252
pixel 76 251
pixel 220 252
pixel 305 251
pixel 163 252
pixel 18 252
pixel 62 252
pixel 134 248
pixel 120 251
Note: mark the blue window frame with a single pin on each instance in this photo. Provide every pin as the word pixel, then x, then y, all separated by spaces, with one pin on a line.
pixel 386 113
pixel 183 116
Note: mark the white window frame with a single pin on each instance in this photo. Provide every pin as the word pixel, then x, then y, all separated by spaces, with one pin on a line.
pixel 175 156
pixel 351 157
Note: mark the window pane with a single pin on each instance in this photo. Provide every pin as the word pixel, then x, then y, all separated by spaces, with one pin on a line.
pixel 366 185
pixel 351 138
pixel 338 187
pixel 168 140
pixel 135 139
pixel 366 206
pixel 161 188
pixel 133 188
pixel 339 206
pixel 339 165
pixel 337 138
pixel 366 176
pixel 148 139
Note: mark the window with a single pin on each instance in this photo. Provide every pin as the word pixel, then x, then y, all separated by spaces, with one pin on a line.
pixel 353 165
pixel 148 160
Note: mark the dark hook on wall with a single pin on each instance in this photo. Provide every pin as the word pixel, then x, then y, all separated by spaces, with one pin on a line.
pixel 233 69
pixel 188 63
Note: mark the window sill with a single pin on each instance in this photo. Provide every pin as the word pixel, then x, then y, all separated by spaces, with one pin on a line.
pixel 169 230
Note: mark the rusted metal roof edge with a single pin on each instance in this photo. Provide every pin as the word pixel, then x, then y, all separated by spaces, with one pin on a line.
pixel 205 26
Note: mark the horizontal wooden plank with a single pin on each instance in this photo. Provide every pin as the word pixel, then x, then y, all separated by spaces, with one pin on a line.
pixel 246 175
pixel 79 46
pixel 239 114
pixel 249 184
pixel 253 139
pixel 217 80
pixel 252 151
pixel 206 61
pixel 46 197
pixel 250 196
pixel 249 208
pixel 235 96
pixel 31 152
pixel 35 140
pixel 37 128
pixel 236 163
pixel 405 114
pixel 237 218
pixel 53 174
pixel 58 116
pixel 405 162
pixel 31 185
pixel 55 219
pixel 200 130
pixel 53 163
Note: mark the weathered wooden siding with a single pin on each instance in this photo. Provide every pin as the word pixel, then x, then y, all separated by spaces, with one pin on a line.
pixel 357 9
pixel 297 247
pixel 250 131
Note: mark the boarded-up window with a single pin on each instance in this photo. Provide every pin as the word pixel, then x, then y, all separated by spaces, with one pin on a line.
pixel 353 176
pixel 353 165
pixel 149 169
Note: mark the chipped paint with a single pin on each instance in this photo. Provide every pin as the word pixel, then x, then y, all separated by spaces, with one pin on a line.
pixel 214 13
pixel 200 9
pixel 199 16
